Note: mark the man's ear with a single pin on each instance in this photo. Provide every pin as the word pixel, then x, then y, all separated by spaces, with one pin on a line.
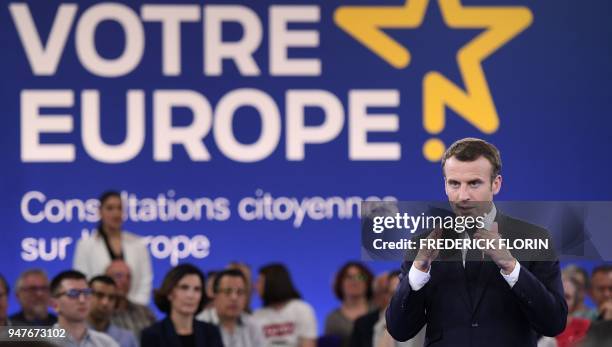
pixel 496 184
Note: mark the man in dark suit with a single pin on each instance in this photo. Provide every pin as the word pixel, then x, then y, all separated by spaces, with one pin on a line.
pixel 486 297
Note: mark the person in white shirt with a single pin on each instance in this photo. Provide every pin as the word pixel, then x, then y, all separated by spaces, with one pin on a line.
pixel 110 243
pixel 285 320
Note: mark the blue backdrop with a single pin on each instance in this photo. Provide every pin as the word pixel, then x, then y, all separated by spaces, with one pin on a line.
pixel 545 66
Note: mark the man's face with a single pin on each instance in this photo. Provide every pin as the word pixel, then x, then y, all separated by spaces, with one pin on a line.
pixel 231 297
pixel 33 295
pixel 468 184
pixel 3 302
pixel 72 301
pixel 120 272
pixel 103 300
pixel 601 287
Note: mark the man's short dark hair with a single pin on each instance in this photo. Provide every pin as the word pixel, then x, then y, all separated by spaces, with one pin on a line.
pixel 605 268
pixel 171 280
pixel 4 284
pixel 104 279
pixel 227 273
pixel 56 282
pixel 470 149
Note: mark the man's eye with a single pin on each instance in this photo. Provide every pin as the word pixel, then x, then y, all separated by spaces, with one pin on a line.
pixel 474 184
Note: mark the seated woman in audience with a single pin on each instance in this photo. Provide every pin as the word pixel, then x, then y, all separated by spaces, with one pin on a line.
pixel 285 319
pixel 353 287
pixel 108 243
pixel 180 298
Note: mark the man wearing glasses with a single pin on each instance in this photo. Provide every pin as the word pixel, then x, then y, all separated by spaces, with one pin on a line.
pixel 229 303
pixel 102 308
pixel 71 299
pixel 32 291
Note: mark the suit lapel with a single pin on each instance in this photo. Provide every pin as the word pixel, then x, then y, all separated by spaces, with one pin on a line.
pixel 170 333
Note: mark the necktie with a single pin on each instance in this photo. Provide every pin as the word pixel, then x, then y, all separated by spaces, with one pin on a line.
pixel 473 263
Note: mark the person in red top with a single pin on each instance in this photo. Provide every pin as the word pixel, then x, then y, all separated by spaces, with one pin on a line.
pixel 576 328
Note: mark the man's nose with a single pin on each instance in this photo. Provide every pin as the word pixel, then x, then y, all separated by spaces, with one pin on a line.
pixel 464 194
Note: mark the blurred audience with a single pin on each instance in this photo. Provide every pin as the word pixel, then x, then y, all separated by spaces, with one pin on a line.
pixel 229 302
pixel 576 327
pixel 600 333
pixel 363 329
pixel 4 293
pixel 209 293
pixel 102 307
pixel 285 319
pixel 33 293
pixel 71 299
pixel 180 297
pixel 109 242
pixel 581 279
pixel 381 337
pixel 246 271
pixel 127 315
pixel 353 287
pixel 601 291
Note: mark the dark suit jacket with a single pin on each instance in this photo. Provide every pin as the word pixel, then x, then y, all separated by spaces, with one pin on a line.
pixel 363 330
pixel 500 316
pixel 163 334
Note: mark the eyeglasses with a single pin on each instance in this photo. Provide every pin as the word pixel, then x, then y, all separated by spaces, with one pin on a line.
pixel 76 293
pixel 34 289
pixel 229 291
pixel 101 296
pixel 356 277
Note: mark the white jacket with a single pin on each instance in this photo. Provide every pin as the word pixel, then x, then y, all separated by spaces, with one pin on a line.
pixel 91 258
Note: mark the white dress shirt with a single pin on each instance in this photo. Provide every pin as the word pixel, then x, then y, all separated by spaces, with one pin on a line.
pixel 418 279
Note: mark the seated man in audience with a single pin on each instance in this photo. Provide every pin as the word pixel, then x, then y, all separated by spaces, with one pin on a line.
pixel 229 303
pixel 4 292
pixel 128 315
pixel 32 291
pixel 71 299
pixel 102 308
pixel 600 333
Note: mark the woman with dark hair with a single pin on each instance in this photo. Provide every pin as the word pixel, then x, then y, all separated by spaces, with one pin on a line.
pixel 180 297
pixel 353 287
pixel 110 243
pixel 286 320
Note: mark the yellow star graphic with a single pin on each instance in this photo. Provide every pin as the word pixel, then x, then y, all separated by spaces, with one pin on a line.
pixel 474 104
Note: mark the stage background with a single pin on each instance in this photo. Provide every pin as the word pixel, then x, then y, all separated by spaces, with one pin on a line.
pixel 550 86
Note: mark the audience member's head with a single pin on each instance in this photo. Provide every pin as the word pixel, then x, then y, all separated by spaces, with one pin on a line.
pixel 601 285
pixel 71 296
pixel 104 298
pixel 570 290
pixel 111 211
pixel 394 281
pixel 353 281
pixel 182 291
pixel 209 291
pixel 4 292
pixel 230 294
pixel 33 293
pixel 248 275
pixel 581 279
pixel 119 271
pixel 274 285
pixel 380 288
